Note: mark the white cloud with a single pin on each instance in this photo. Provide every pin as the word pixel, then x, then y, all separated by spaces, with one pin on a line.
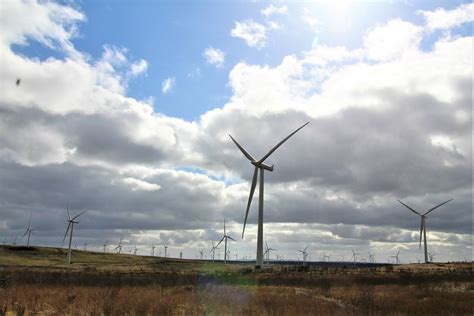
pixel 271 9
pixel 392 40
pixel 137 184
pixel 49 23
pixel 311 20
pixel 214 56
pixel 167 85
pixel 446 19
pixel 253 33
pixel 138 67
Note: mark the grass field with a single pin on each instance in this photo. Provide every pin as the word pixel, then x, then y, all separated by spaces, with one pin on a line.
pixel 38 281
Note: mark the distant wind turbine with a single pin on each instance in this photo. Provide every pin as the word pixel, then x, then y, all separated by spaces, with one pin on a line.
pixel 105 246
pixel 213 251
pixel 166 251
pixel 70 227
pixel 267 252
pixel 225 237
pixel 201 252
pixel 28 232
pixel 371 257
pixel 153 250
pixel 423 224
pixel 259 165
pixel 397 260
pixel 305 254
pixel 119 246
pixel 354 255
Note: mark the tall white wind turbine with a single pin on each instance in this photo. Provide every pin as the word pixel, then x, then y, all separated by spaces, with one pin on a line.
pixel 28 232
pixel 225 237
pixel 70 227
pixel 423 224
pixel 259 165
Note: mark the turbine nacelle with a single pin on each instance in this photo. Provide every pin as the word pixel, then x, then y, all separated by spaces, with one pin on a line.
pixel 262 165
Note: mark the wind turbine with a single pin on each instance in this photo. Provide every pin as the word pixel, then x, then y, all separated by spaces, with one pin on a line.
pixel 28 232
pixel 423 224
pixel 371 257
pixel 305 254
pixel 85 246
pixel 225 237
pixel 135 250
pixel 70 228
pixel 153 250
pixel 166 249
pixel 213 251
pixel 119 246
pixel 267 252
pixel 354 255
pixel 259 165
pixel 432 255
pixel 396 257
pixel 105 245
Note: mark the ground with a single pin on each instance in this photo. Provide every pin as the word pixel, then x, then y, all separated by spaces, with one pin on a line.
pixel 39 281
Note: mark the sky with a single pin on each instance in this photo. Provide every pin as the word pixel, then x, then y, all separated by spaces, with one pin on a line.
pixel 123 109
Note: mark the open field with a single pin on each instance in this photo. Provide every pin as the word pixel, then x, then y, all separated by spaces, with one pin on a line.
pixel 37 280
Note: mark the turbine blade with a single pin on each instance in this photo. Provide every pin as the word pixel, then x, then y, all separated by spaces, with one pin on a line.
pixel 252 190
pixel 78 215
pixel 432 209
pixel 26 232
pixel 67 210
pixel 65 234
pixel 29 222
pixel 421 230
pixel 246 154
pixel 220 241
pixel 409 207
pixel 231 238
pixel 280 143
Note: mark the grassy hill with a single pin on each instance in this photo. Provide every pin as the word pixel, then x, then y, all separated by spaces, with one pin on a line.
pixel 56 258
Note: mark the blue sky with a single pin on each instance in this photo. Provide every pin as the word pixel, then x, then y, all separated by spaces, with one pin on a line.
pixel 172 36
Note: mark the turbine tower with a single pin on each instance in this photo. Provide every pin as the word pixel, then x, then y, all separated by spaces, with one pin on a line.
pixel 423 224
pixel 153 250
pixel 225 237
pixel 259 165
pixel 105 246
pixel 70 228
pixel 28 232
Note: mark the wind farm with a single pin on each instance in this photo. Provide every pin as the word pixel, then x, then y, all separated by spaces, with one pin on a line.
pixel 236 157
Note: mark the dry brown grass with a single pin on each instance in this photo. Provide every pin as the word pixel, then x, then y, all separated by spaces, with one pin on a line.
pixel 161 288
